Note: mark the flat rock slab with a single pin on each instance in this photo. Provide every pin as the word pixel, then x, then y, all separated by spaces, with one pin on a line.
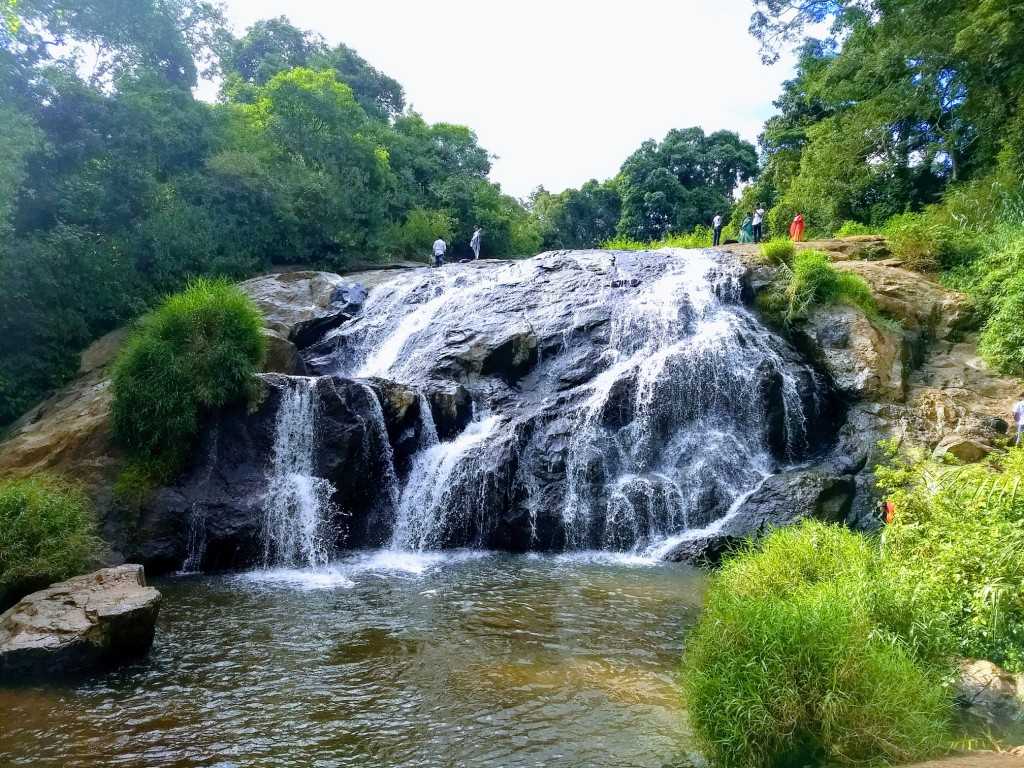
pixel 980 760
pixel 81 624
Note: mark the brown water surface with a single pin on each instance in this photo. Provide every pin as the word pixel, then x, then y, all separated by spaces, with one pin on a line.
pixel 389 659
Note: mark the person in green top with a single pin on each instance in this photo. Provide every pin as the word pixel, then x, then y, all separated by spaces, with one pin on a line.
pixel 747 230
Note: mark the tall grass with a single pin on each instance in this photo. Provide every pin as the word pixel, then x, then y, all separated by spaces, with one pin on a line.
pixel 47 534
pixel 199 350
pixel 798 659
pixel 957 543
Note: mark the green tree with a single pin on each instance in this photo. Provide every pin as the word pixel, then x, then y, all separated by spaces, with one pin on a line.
pixel 681 182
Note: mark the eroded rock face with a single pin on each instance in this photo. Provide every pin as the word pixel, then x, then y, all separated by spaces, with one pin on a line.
pixel 920 304
pixel 79 625
pixel 864 359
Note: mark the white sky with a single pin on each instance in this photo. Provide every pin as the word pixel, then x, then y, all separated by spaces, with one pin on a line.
pixel 560 90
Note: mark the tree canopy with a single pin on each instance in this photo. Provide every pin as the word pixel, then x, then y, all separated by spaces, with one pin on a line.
pixel 117 186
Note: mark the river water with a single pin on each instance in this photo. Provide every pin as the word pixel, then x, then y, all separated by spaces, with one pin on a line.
pixel 388 659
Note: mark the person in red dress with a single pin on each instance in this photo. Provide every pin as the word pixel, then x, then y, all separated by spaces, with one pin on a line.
pixel 796 229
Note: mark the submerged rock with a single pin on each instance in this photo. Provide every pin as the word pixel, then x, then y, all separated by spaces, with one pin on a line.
pixel 79 625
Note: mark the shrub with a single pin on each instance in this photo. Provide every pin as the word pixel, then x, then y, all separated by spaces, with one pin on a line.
pixel 957 545
pixel 853 228
pixel 778 250
pixel 816 281
pixel 918 239
pixel 199 350
pixel 47 534
pixel 790 665
pixel 1002 338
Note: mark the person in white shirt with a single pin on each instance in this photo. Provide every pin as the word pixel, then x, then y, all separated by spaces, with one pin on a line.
pixel 1018 417
pixel 758 222
pixel 716 229
pixel 474 242
pixel 440 246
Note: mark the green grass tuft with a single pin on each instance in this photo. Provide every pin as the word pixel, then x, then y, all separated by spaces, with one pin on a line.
pixel 815 281
pixel 198 351
pixel 798 659
pixel 778 250
pixel 47 534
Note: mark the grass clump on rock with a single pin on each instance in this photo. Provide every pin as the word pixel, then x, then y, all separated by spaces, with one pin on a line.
pixel 799 659
pixel 47 534
pixel 196 352
pixel 778 250
pixel 815 281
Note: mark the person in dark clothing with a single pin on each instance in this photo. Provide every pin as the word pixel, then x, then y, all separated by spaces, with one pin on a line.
pixel 716 230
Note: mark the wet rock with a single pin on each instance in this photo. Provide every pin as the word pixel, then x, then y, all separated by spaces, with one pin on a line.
pixel 782 500
pixel 224 489
pixel 451 407
pixel 294 302
pixel 513 356
pixel 282 355
pixel 989 693
pixel 79 625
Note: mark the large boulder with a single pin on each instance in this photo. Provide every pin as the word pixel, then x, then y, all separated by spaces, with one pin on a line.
pixel 78 625
pixel 989 693
pixel 781 500
pixel 297 305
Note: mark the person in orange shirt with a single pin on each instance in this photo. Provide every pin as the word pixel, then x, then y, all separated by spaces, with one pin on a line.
pixel 796 229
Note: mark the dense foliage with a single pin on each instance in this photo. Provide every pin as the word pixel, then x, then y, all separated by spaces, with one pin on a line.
pixel 801 657
pixel 47 534
pixel 957 541
pixel 198 351
pixel 117 186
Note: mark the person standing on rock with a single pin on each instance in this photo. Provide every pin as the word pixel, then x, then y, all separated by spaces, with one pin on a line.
pixel 474 242
pixel 440 246
pixel 796 229
pixel 758 222
pixel 1018 417
pixel 746 230
pixel 716 230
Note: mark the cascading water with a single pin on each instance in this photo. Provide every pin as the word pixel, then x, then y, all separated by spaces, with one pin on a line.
pixel 297 505
pixel 435 487
pixel 624 398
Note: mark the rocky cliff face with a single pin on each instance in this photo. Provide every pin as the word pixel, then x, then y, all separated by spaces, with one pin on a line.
pixel 580 399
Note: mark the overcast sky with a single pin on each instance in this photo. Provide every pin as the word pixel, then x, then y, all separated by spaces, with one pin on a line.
pixel 560 90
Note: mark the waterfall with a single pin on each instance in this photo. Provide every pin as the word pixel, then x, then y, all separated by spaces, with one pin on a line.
pixel 195 539
pixel 430 498
pixel 378 432
pixel 297 506
pixel 656 400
